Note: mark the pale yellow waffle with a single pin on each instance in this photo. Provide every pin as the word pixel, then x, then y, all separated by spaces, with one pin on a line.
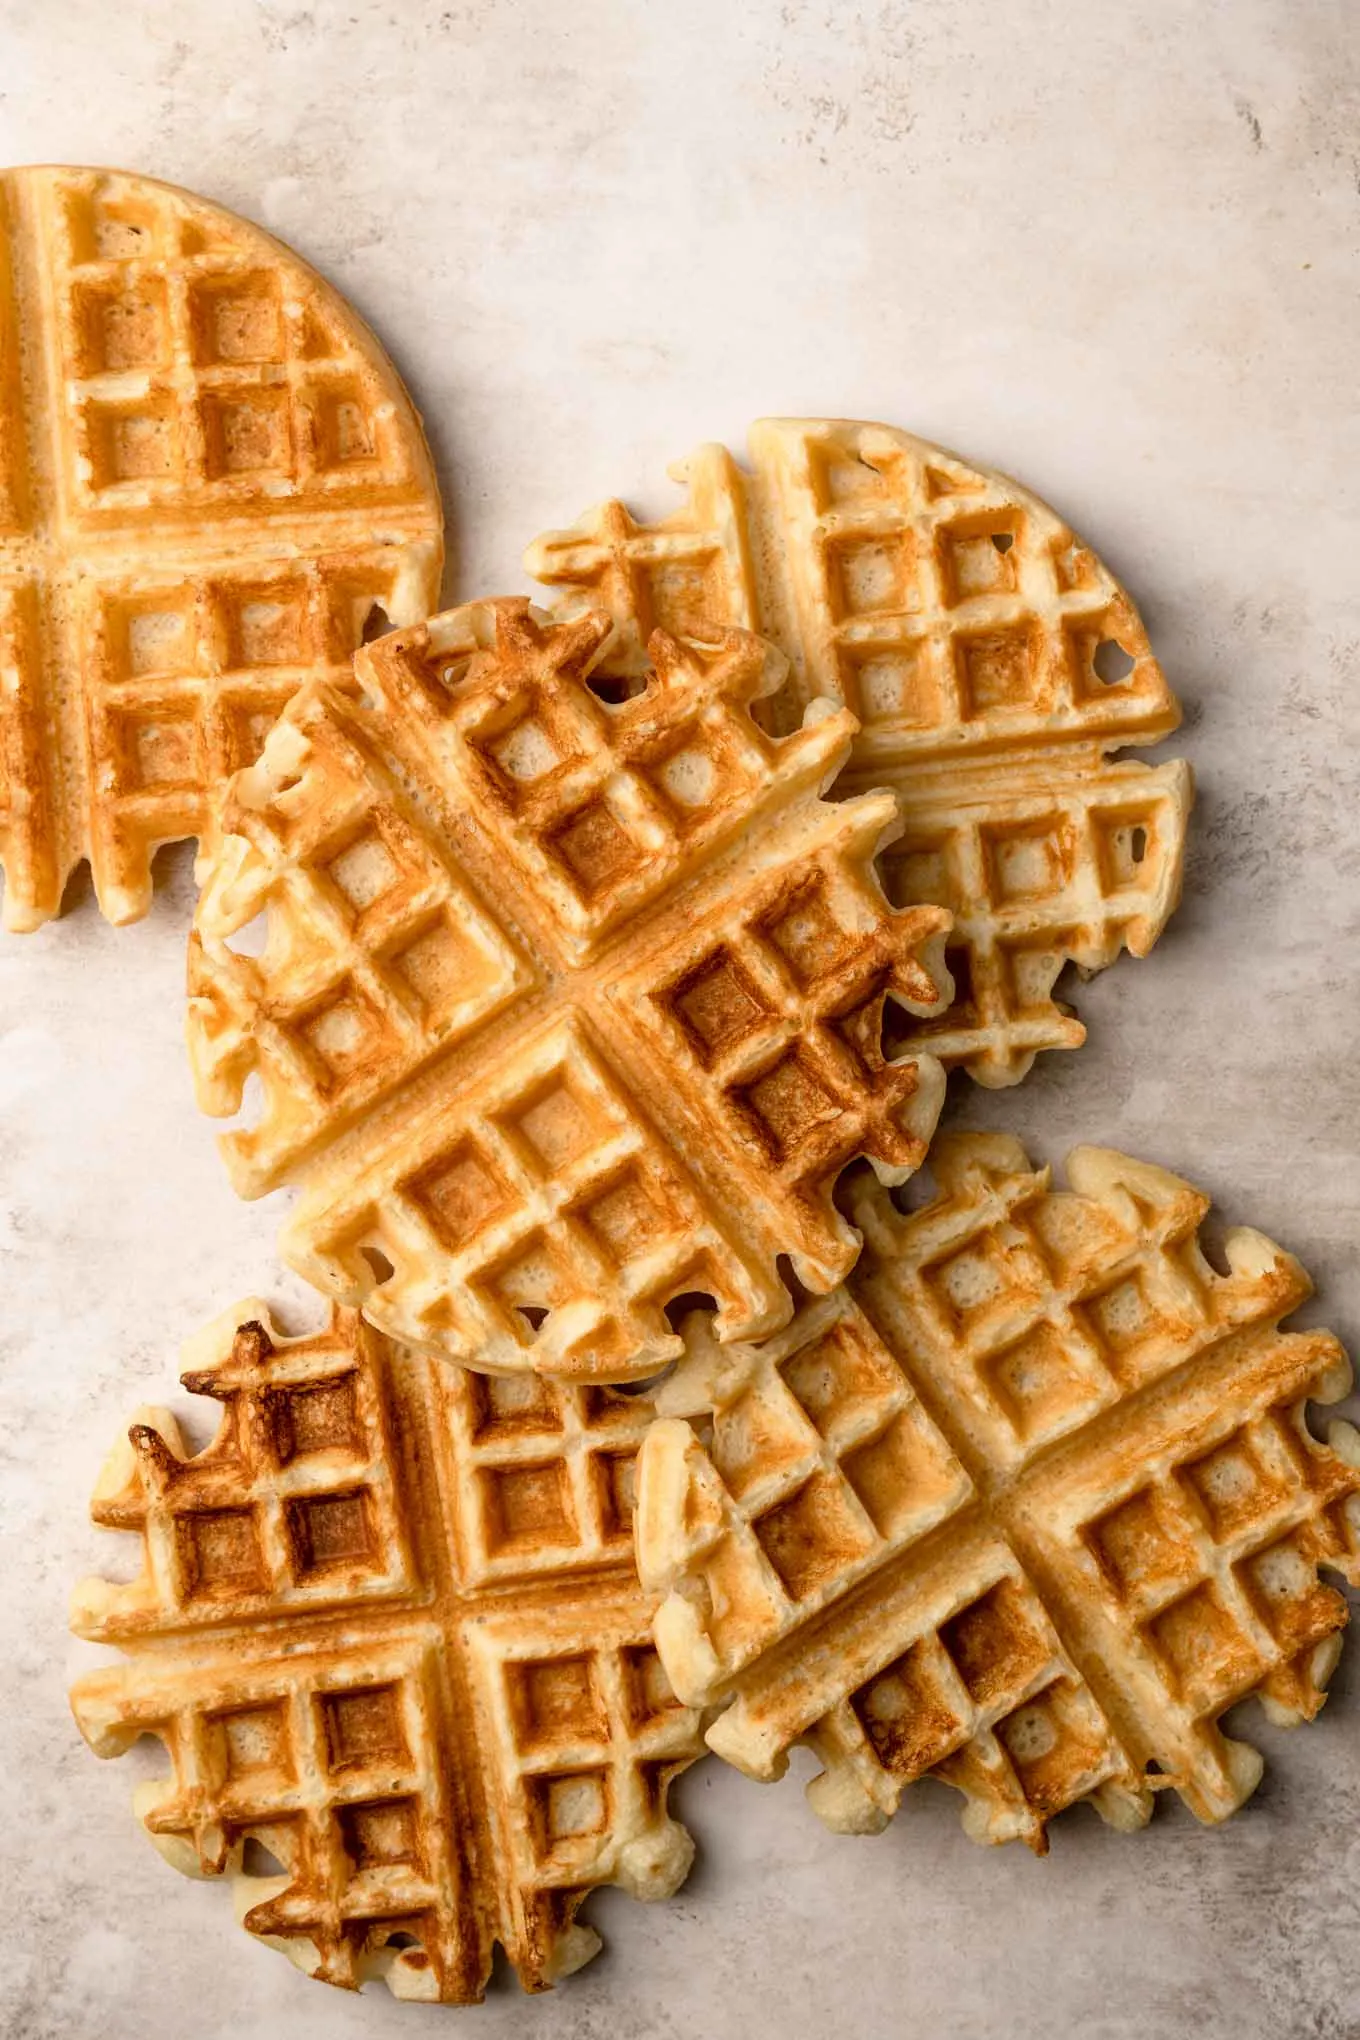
pixel 389 1630
pixel 1026 1509
pixel 211 484
pixel 994 663
pixel 571 1001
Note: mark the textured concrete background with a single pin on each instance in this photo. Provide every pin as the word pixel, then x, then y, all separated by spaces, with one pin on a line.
pixel 1112 248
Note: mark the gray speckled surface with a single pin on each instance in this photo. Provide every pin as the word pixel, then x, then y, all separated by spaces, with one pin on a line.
pixel 1114 248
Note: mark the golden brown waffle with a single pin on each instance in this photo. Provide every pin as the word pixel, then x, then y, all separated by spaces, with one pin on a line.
pixel 388 1629
pixel 570 1004
pixel 1026 1512
pixel 994 664
pixel 211 482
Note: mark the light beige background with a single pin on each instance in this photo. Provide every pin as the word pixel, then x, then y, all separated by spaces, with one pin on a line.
pixel 1112 248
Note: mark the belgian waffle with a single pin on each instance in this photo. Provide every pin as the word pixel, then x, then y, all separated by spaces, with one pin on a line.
pixel 211 484
pixel 389 1630
pixel 994 664
pixel 1026 1507
pixel 571 997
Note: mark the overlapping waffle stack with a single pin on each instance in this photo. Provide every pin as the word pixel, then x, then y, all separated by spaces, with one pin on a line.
pixel 594 977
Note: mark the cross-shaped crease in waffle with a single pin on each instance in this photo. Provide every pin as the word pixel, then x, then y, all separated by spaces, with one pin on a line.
pixel 969 631
pixel 1027 1506
pixel 568 1006
pixel 388 1628
pixel 210 480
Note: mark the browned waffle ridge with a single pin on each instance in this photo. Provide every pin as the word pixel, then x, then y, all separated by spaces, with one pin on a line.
pixel 1026 1508
pixel 389 1630
pixel 211 483
pixel 571 998
pixel 994 664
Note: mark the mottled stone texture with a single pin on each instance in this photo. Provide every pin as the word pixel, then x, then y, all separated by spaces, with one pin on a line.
pixel 1111 248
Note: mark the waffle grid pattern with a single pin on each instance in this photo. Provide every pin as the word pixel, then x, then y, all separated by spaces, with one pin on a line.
pixel 985 1699
pixel 291 1505
pixel 541 1195
pixel 233 484
pixel 1071 875
pixel 540 1459
pixel 543 1206
pixel 979 644
pixel 785 1015
pixel 598 800
pixel 686 569
pixel 831 1466
pixel 235 373
pixel 377 957
pixel 183 684
pixel 1131 1546
pixel 457 1763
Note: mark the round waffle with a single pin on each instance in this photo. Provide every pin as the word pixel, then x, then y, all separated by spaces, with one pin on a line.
pixel 570 1000
pixel 1026 1507
pixel 388 1630
pixel 212 485
pixel 994 663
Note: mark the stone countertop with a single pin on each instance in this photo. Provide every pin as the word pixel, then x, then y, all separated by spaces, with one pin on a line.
pixel 1113 249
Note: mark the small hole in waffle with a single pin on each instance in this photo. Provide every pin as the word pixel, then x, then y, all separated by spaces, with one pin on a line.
pixel 1138 845
pixel 648 1386
pixel 680 1307
pixel 377 623
pixel 257 1861
pixel 401 1941
pixel 251 939
pixel 613 689
pixel 1111 663
pixel 383 1267
pixel 1211 1234
pixel 1003 540
pixel 785 1269
pixel 252 1103
pixel 917 1192
pixel 534 1314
